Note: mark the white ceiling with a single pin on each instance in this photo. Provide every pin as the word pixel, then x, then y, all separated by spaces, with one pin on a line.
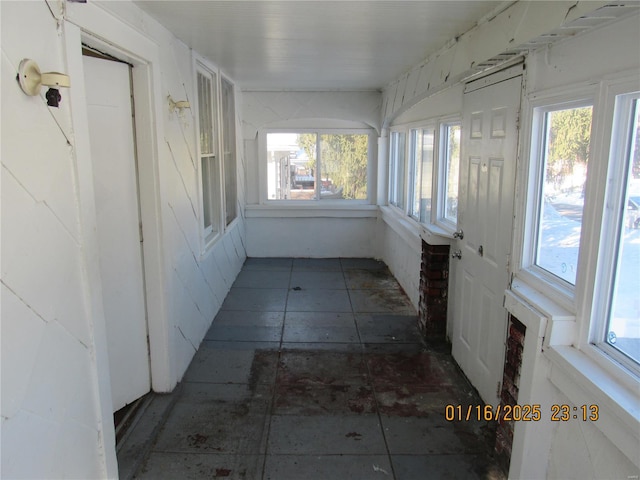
pixel 317 45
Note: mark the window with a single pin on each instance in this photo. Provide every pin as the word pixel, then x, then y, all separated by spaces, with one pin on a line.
pixel 317 165
pixel 450 163
pixel 397 169
pixel 564 144
pixel 619 334
pixel 421 173
pixel 229 149
pixel 415 165
pixel 216 152
pixel 209 161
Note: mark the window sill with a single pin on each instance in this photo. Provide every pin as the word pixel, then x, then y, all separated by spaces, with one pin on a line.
pixel 312 210
pixel 583 379
pixel 411 230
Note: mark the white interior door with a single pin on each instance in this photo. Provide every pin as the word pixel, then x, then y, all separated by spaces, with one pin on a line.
pixel 109 99
pixel 485 215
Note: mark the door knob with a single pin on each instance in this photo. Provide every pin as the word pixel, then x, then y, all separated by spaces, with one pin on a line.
pixel 459 234
pixel 457 254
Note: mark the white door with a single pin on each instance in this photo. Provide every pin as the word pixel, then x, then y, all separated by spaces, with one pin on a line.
pixel 108 89
pixel 485 216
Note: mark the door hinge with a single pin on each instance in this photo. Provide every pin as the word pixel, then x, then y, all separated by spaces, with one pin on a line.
pixel 498 389
pixel 140 230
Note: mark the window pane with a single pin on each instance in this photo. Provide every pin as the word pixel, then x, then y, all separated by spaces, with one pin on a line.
pixel 415 163
pixel 229 150
pixel 623 330
pixel 452 168
pixel 206 194
pixel 291 165
pixel 206 108
pixel 566 150
pixel 343 166
pixel 396 169
pixel 426 183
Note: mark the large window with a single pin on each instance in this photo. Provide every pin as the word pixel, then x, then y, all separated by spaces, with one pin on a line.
pixel 317 165
pixel 216 152
pixel 582 237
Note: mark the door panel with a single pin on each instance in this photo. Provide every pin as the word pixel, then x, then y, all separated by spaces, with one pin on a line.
pixel 111 134
pixel 485 215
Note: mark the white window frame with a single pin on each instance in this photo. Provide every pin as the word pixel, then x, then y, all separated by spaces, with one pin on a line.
pixel 217 194
pixel 314 203
pixel 396 199
pixel 560 291
pixel 442 161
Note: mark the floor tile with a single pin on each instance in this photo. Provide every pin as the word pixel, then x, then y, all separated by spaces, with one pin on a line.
pixel 362 264
pixel 455 467
pixel 255 263
pixel 234 362
pixel 197 466
pixel 256 299
pixel 411 400
pixel 321 467
pixel 326 434
pixel 318 301
pixel 429 435
pixel 263 279
pixel 217 419
pixel 386 328
pixel 360 279
pixel 307 280
pixel 242 326
pixel 296 399
pixel 320 327
pixel 418 369
pixel 381 301
pixel 317 264
pixel 320 367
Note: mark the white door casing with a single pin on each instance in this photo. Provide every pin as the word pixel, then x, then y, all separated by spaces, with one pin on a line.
pixel 108 91
pixel 485 216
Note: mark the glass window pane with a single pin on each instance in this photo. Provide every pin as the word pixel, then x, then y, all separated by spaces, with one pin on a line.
pixel 343 166
pixel 291 165
pixel 452 168
pixel 566 150
pixel 415 164
pixel 623 329
pixel 396 169
pixel 229 150
pixel 426 183
pixel 206 194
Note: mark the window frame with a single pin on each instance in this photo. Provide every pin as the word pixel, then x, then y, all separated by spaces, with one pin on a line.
pixel 442 158
pixel 558 290
pixel 314 203
pixel 217 193
pixel 398 177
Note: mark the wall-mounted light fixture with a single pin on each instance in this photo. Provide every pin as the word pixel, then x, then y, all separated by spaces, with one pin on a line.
pixel 179 105
pixel 31 81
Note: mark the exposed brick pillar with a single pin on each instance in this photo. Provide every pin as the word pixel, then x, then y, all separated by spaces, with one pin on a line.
pixel 510 388
pixel 434 286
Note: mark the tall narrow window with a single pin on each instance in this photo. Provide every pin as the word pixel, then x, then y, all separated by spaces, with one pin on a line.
pixel 397 169
pixel 209 161
pixel 623 319
pixel 229 149
pixel 565 136
pixel 415 164
pixel 450 152
pixel 426 177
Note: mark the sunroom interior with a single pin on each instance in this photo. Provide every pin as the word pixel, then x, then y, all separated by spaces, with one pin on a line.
pixel 167 142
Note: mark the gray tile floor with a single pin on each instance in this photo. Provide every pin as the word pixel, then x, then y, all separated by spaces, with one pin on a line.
pixel 314 369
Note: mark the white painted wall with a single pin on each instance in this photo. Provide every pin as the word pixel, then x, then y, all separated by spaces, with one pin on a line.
pixel 56 411
pixel 542 449
pixel 320 231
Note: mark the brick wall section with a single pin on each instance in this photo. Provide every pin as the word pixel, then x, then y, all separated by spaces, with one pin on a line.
pixel 510 384
pixel 434 286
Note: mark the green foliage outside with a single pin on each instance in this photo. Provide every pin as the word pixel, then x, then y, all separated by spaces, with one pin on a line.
pixel 343 161
pixel 568 141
